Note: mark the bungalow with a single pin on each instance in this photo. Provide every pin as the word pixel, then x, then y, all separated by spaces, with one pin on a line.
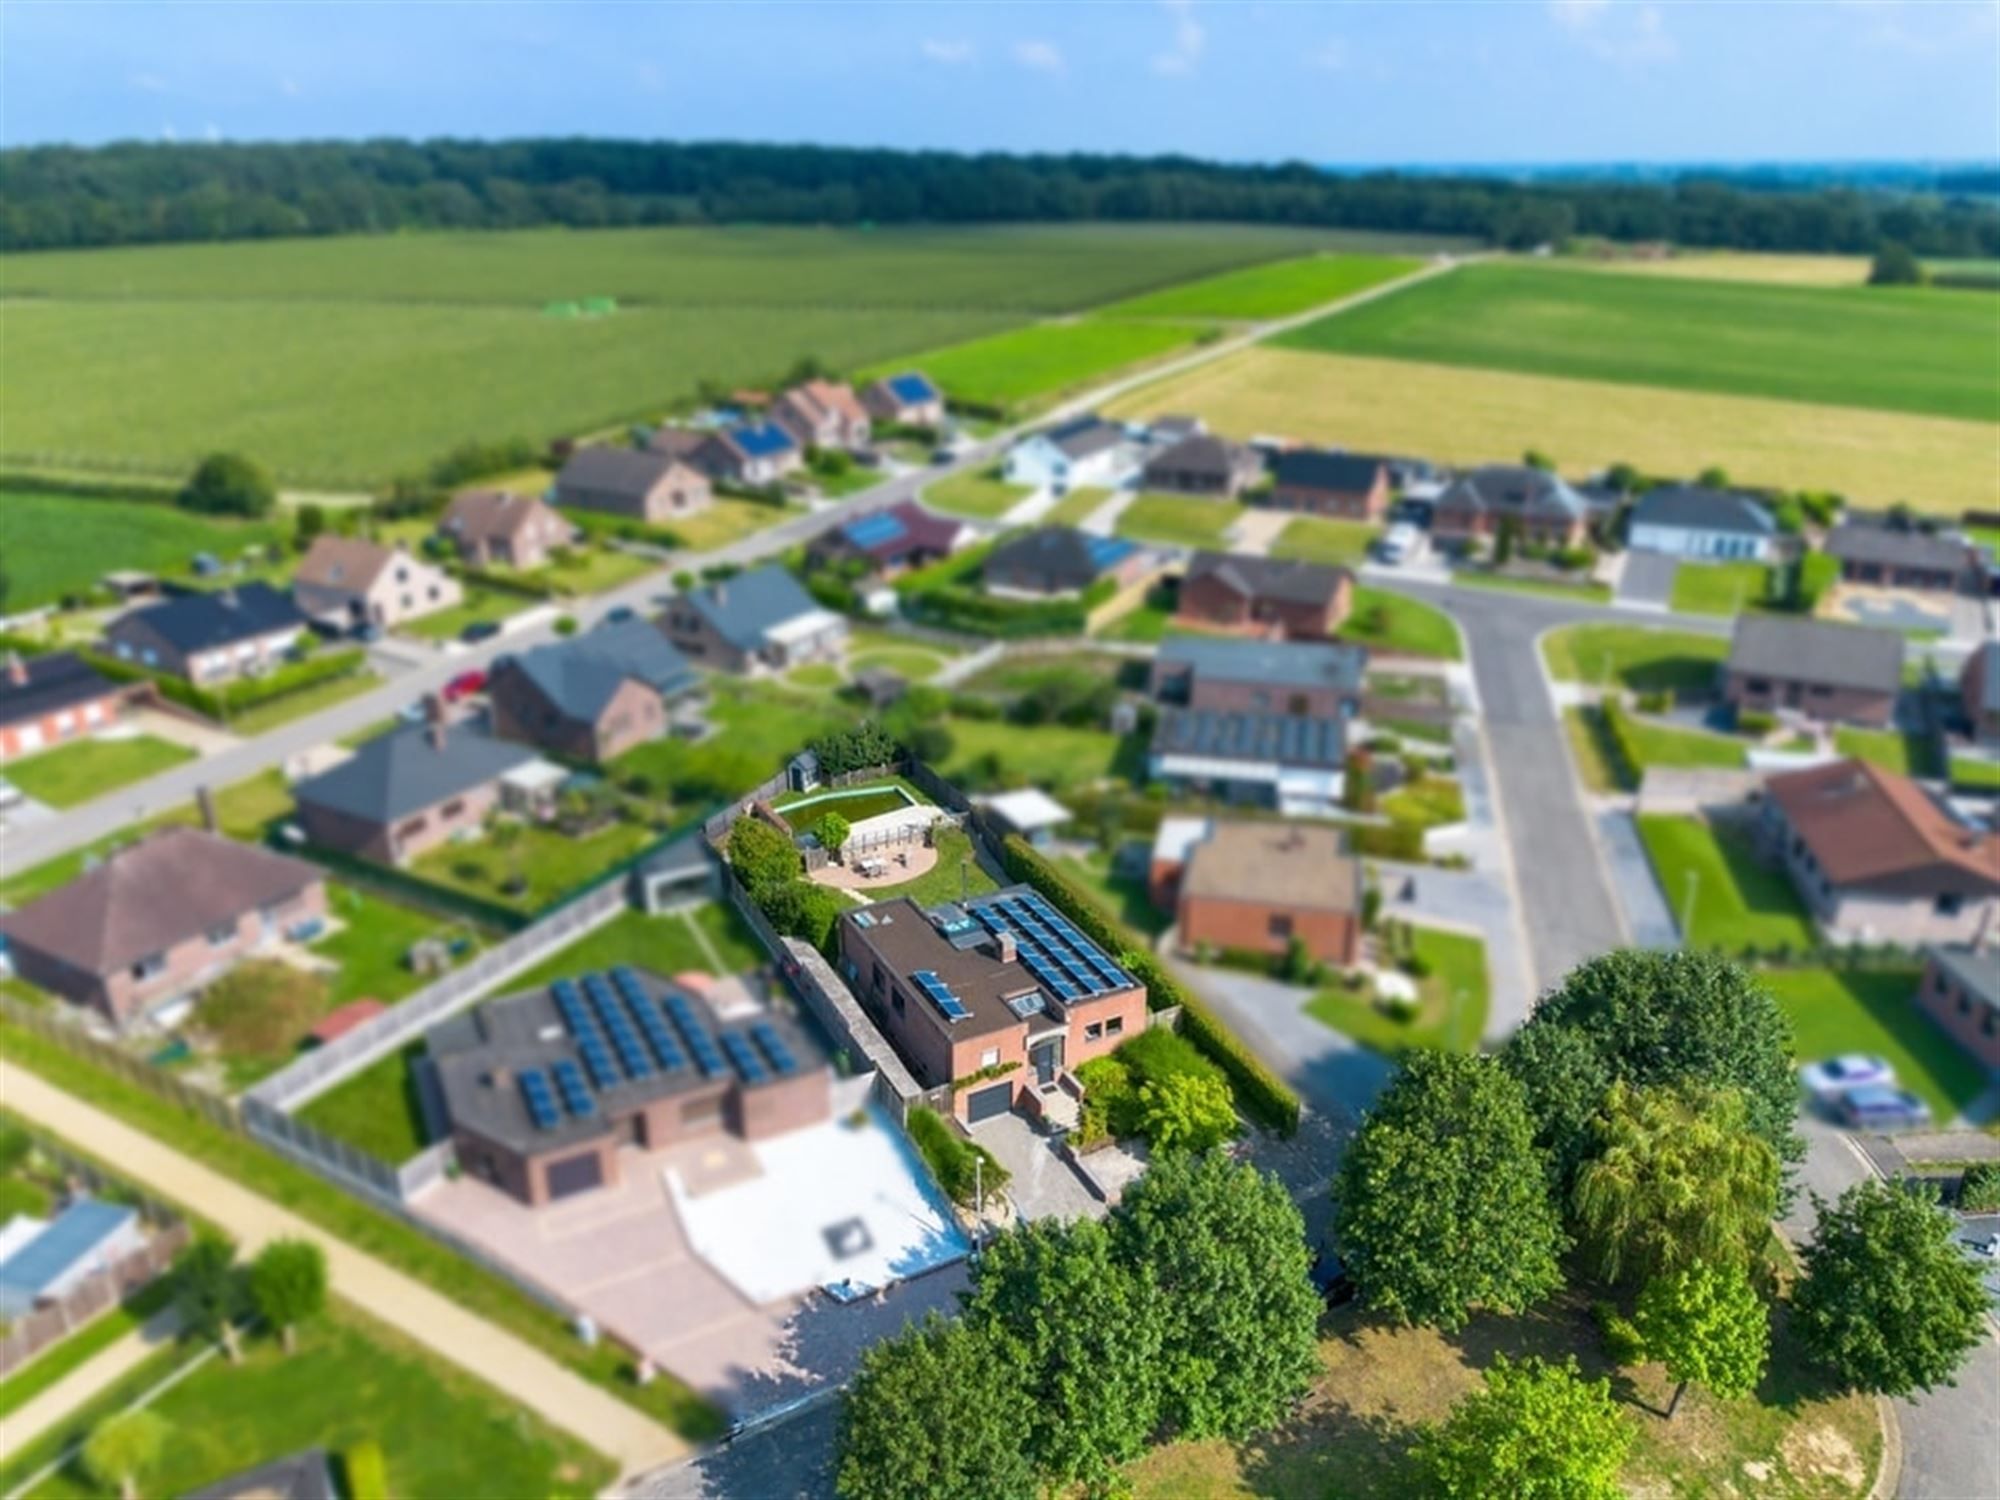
pixel 233 632
pixel 347 582
pixel 492 528
pixel 823 414
pixel 1893 556
pixel 1293 763
pixel 1824 671
pixel 160 919
pixel 651 487
pixel 1060 561
pixel 908 400
pixel 750 454
pixel 1265 596
pixel 1979 690
pixel 759 621
pixel 45 700
pixel 883 543
pixel 1877 860
pixel 1202 464
pixel 1258 887
pixel 1960 991
pixel 1083 451
pixel 1542 506
pixel 1352 486
pixel 1703 525
pixel 594 696
pixel 1296 679
pixel 408 791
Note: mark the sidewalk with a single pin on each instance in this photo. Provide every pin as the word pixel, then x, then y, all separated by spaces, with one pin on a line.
pixel 518 1370
pixel 83 1384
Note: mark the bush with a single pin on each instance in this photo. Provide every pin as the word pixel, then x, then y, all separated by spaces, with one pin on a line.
pixel 860 748
pixel 565 625
pixel 228 484
pixel 366 1471
pixel 1755 721
pixel 952 1158
pixel 1622 1344
pixel 1657 702
pixel 235 697
pixel 1979 1189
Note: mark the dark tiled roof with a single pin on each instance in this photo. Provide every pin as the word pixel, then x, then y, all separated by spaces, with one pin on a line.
pixel 1198 453
pixel 1282 664
pixel 1061 556
pixel 580 675
pixel 1890 547
pixel 1270 577
pixel 1818 651
pixel 477 515
pixel 623 471
pixel 201 622
pixel 1690 507
pixel 744 609
pixel 898 529
pixel 402 772
pixel 302 1476
pixel 1317 469
pixel 1283 739
pixel 1080 437
pixel 60 680
pixel 1514 490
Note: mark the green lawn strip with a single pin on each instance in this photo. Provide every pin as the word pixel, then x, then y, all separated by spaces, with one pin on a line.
pixel 1274 290
pixel 1975 775
pixel 1719 588
pixel 1666 745
pixel 728 519
pixel 1076 507
pixel 85 769
pixel 1431 801
pixel 1322 539
pixel 1123 896
pixel 957 874
pixel 1451 1000
pixel 481 606
pixel 376 1110
pixel 1739 901
pixel 1597 760
pixel 1905 754
pixel 819 676
pixel 592 570
pixel 1050 756
pixel 1582 591
pixel 1833 1012
pixel 78 1348
pixel 1148 624
pixel 553 863
pixel 408 1249
pixel 307 700
pixel 1012 676
pixel 1181 520
pixel 913 663
pixel 984 495
pixel 76 539
pixel 1040 363
pixel 352 1379
pixel 1639 659
pixel 1389 622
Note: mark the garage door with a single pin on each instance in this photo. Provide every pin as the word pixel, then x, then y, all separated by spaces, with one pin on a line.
pixel 575 1174
pixel 986 1103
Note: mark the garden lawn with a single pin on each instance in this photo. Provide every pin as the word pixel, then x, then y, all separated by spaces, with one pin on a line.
pixel 1181 520
pixel 819 676
pixel 1905 754
pixel 552 863
pixel 917 660
pixel 1076 507
pixel 75 540
pixel 1322 539
pixel 1123 896
pixel 1636 658
pixel 1974 775
pixel 352 1379
pixel 1049 756
pixel 372 947
pixel 1274 290
pixel 983 494
pixel 592 570
pixel 1719 588
pixel 727 519
pixel 1451 1000
pixel 1738 900
pixel 956 874
pixel 1033 366
pixel 757 726
pixel 1431 801
pixel 1667 746
pixel 1833 1012
pixel 480 606
pixel 378 1110
pixel 86 769
pixel 1597 762
pixel 1146 624
pixel 307 700
pixel 1389 622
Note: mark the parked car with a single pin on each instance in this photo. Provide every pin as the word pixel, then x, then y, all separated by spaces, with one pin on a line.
pixel 1852 1070
pixel 1881 1107
pixel 1330 1278
pixel 479 630
pixel 464 685
pixel 619 614
pixel 1400 544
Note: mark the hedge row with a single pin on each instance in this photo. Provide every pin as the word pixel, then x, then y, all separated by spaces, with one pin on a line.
pixel 966 609
pixel 504 582
pixel 1263 1095
pixel 234 697
pixel 153 492
pixel 951 1158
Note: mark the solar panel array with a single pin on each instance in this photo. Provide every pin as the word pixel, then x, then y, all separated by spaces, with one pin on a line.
pixel 541 1103
pixel 696 1035
pixel 749 1067
pixel 646 1011
pixel 1107 551
pixel 939 994
pixel 576 1098
pixel 589 1041
pixel 876 530
pixel 1067 963
pixel 632 1056
pixel 781 1059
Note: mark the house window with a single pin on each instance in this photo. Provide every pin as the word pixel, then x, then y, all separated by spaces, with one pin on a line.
pixel 221 933
pixel 150 967
pixel 1281 926
pixel 896 999
pixel 1094 1031
pixel 1965 1002
pixel 1758 685
pixel 453 808
pixel 990 1058
pixel 1949 904
pixel 1115 1026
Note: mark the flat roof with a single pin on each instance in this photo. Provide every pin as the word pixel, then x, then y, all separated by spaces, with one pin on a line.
pixel 1304 866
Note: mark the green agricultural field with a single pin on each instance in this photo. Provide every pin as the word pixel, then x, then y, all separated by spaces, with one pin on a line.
pixel 1269 291
pixel 1895 350
pixel 147 357
pixel 1039 363
pixel 57 544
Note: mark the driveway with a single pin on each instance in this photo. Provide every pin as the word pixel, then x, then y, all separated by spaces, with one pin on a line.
pixel 1647 580
pixel 1335 1076
pixel 1042 1185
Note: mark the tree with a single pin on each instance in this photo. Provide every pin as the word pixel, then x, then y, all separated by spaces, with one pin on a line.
pixel 1707 1325
pixel 761 856
pixel 208 1292
pixel 1675 1178
pixel 1083 1328
pixel 1534 458
pixel 1714 477
pixel 123 1448
pixel 1186 1112
pixel 1622 477
pixel 832 832
pixel 935 1414
pixel 288 1286
pixel 1226 1247
pixel 1298 964
pixel 231 485
pixel 1888 1301
pixel 801 909
pixel 1503 541
pixel 1442 1202
pixel 1537 1431
pixel 311 522
pixel 1896 265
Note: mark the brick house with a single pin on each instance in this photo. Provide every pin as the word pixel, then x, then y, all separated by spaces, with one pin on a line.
pixel 159 920
pixel 823 414
pixel 347 582
pixel 1889 555
pixel 547 1089
pixel 1979 692
pixel 1827 672
pixel 889 541
pixel 1202 464
pixel 1350 486
pixel 47 700
pixel 1542 506
pixel 907 400
pixel 1960 990
pixel 594 696
pixel 1254 887
pixel 648 486
pixel 750 453
pixel 492 528
pixel 208 638
pixel 1000 987
pixel 1265 596
pixel 1877 860
pixel 1054 562
pixel 759 621
pixel 1307 679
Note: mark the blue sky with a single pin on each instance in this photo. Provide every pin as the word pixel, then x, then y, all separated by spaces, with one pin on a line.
pixel 1533 81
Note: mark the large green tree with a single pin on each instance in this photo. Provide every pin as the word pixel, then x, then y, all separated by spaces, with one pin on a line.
pixel 1888 1301
pixel 123 1449
pixel 1895 264
pixel 1442 1200
pixel 760 855
pixel 935 1414
pixel 1537 1431
pixel 1083 1329
pixel 1675 1177
pixel 1226 1248
pixel 1708 1326
pixel 229 484
pixel 288 1286
pixel 209 1293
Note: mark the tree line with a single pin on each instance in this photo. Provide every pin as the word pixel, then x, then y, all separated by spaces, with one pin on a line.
pixel 136 193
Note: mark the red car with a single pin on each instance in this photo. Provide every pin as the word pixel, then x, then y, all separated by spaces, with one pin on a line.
pixel 464 685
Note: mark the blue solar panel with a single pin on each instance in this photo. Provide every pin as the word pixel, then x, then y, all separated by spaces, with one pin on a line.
pixel 912 388
pixel 696 1035
pixel 541 1104
pixel 782 1061
pixel 876 530
pixel 658 1037
pixel 1070 965
pixel 742 1058
pixel 762 440
pixel 576 1098
pixel 1108 551
pixel 598 1061
pixel 939 993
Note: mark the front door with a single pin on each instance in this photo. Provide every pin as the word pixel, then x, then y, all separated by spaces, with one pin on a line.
pixel 1046 1058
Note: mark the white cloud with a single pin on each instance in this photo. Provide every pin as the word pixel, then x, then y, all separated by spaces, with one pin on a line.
pixel 149 83
pixel 1332 57
pixel 1042 57
pixel 1578 15
pixel 949 52
pixel 1617 33
pixel 1189 42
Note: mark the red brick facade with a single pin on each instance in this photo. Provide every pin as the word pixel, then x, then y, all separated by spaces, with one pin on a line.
pixel 1967 1019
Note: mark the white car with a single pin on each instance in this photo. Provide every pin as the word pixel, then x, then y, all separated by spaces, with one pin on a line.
pixel 1851 1070
pixel 1400 544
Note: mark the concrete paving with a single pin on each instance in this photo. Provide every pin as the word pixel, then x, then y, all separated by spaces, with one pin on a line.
pixel 1043 1185
pixel 1647 580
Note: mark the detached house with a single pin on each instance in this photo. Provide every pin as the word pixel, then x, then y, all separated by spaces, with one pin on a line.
pixel 1296 678
pixel 1352 486
pixel 907 400
pixel 823 414
pixel 889 541
pixel 1258 887
pixel 1704 525
pixel 1084 451
pixel 1056 561
pixel 1202 464
pixel 652 487
pixel 1895 556
pixel 347 582
pixel 1827 672
pixel 750 453
pixel 206 638
pixel 45 700
pixel 758 621
pixel 1265 596
pixel 1542 506
pixel 495 529
pixel 592 697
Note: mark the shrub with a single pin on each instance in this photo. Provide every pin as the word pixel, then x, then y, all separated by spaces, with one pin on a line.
pixel 565 625
pixel 1657 702
pixel 228 484
pixel 1755 721
pixel 366 1471
pixel 1622 1344
pixel 952 1158
pixel 1979 1188
pixel 261 1008
pixel 1186 1113
pixel 235 697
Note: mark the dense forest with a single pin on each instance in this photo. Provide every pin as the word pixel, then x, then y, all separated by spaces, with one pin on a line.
pixel 131 193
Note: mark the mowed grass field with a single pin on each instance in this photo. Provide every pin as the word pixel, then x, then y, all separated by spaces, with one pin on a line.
pixel 1458 415
pixel 1269 291
pixel 340 362
pixel 57 544
pixel 1046 360
pixel 1886 349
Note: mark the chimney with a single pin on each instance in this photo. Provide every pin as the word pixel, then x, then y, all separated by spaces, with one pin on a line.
pixel 17 669
pixel 204 801
pixel 721 591
pixel 435 734
pixel 434 725
pixel 1005 948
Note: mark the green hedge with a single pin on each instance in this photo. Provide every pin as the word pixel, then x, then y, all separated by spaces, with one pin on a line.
pixel 966 609
pixel 153 492
pixel 1263 1095
pixel 951 1158
pixel 234 697
pixel 504 582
